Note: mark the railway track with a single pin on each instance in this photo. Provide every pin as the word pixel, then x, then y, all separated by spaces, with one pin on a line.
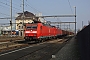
pixel 34 51
pixel 5 46
pixel 10 39
pixel 47 52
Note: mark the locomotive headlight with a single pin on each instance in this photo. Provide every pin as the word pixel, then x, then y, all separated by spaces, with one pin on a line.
pixel 37 37
pixel 27 31
pixel 31 30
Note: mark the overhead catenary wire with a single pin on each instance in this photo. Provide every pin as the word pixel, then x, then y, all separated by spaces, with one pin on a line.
pixel 14 8
pixel 70 6
pixel 4 14
pixel 9 6
pixel 13 3
pixel 29 5
pixel 6 8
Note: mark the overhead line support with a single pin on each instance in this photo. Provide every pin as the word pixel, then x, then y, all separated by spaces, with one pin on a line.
pixel 11 18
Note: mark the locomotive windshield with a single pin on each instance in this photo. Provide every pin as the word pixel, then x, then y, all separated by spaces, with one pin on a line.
pixel 31 27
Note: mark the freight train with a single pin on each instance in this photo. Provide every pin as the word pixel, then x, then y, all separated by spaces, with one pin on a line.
pixel 40 32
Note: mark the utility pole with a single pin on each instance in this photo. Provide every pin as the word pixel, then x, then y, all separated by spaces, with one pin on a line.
pixel 23 18
pixel 11 18
pixel 75 19
pixel 60 25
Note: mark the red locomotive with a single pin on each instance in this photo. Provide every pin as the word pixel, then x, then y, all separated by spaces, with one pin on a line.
pixel 40 31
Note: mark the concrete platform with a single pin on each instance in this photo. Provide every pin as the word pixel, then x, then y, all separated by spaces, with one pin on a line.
pixel 69 52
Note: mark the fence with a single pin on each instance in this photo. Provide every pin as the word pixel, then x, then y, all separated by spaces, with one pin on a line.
pixel 83 38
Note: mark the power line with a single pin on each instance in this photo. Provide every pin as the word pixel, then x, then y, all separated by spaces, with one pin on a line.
pixel 57 16
pixel 6 5
pixel 13 3
pixel 32 7
pixel 10 6
pixel 70 6
pixel 4 14
pixel 42 16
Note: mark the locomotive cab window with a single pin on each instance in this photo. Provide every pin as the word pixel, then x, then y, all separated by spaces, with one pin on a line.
pixel 34 27
pixel 31 27
pixel 28 27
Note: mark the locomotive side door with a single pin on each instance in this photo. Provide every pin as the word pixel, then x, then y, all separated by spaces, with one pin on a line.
pixel 41 30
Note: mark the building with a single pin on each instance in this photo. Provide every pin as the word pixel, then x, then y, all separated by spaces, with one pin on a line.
pixel 6 30
pixel 22 20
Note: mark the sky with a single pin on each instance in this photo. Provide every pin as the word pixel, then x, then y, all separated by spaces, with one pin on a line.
pixel 49 7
